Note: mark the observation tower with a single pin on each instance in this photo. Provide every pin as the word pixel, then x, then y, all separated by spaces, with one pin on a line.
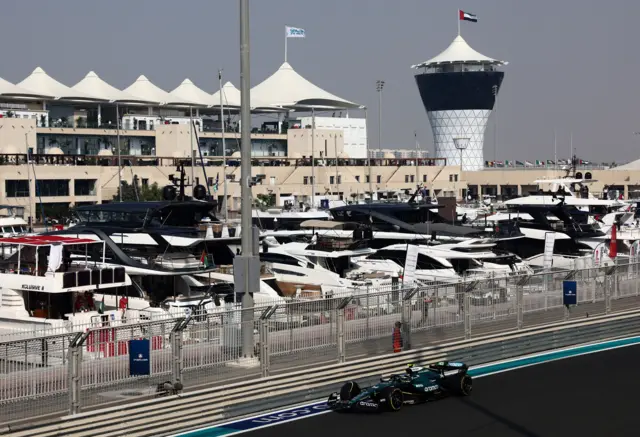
pixel 459 89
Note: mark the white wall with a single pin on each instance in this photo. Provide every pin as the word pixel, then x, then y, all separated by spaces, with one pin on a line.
pixel 354 132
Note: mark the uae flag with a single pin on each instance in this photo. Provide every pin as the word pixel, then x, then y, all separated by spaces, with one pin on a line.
pixel 465 16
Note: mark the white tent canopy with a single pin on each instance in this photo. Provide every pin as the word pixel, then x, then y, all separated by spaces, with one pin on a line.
pixel 187 90
pixel 41 83
pixel 459 52
pixel 142 88
pixel 288 89
pixel 230 96
pixel 98 87
pixel 231 99
pixel 10 90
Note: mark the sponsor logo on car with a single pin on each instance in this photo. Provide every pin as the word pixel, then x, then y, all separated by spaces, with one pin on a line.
pixel 367 404
pixel 431 388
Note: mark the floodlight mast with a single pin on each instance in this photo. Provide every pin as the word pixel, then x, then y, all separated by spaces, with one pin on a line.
pixel 246 266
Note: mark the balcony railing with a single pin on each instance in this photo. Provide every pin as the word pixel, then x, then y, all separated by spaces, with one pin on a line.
pixel 149 160
pixel 149 127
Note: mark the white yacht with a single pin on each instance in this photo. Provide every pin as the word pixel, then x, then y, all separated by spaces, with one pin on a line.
pixel 567 191
pixel 447 262
pixel 41 288
pixel 312 271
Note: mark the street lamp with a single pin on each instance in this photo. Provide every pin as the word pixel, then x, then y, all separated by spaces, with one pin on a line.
pixel 379 87
pixel 461 144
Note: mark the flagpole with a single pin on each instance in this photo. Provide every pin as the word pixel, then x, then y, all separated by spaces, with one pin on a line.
pixel 224 150
pixel 285 43
pixel 458 19
pixel 555 150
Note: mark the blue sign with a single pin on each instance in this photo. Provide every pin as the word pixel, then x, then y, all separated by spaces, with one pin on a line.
pixel 139 351
pixel 569 293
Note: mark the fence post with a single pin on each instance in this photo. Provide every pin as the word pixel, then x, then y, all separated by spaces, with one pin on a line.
pixel 340 335
pixel 74 379
pixel 616 282
pixel 519 306
pixel 175 339
pixel 74 382
pixel 263 335
pixel 368 312
pixel 493 297
pixel 406 323
pixel 436 304
pixel 467 314
pixel 264 348
pixel 607 296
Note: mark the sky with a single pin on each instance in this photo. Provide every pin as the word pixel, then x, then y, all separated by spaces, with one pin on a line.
pixel 573 64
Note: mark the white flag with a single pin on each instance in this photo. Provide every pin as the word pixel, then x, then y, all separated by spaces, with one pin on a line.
pixel 295 32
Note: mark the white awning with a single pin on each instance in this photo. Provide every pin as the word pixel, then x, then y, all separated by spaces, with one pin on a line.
pixel 459 52
pixel 142 88
pixel 41 83
pixel 287 89
pixel 230 96
pixel 10 90
pixel 94 85
pixel 187 90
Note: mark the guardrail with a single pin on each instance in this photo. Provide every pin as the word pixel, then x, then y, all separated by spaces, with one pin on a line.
pixel 202 408
pixel 57 374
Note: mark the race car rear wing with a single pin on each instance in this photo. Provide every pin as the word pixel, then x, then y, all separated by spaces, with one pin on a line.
pixel 448 366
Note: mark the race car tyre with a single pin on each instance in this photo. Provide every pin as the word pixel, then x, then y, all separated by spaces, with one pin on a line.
pixel 349 390
pixel 460 385
pixel 393 397
pixel 464 385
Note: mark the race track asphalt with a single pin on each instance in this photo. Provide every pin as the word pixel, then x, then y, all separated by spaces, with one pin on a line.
pixel 590 395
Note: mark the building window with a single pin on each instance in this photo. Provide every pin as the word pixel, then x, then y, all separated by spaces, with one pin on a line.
pixel 145 182
pixel 379 179
pixel 272 180
pixel 450 178
pixel 87 187
pixel 210 181
pixel 367 179
pixel 339 179
pixel 16 188
pixel 424 178
pixel 406 178
pixel 358 179
pixel 332 180
pixel 52 187
pixel 305 180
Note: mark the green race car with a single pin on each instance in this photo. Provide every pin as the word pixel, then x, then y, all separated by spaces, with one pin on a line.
pixel 416 385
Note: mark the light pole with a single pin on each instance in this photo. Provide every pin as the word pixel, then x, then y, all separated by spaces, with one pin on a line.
pixel 379 87
pixel 366 126
pixel 224 150
pixel 246 267
pixel 461 144
pixel 494 90
pixel 415 136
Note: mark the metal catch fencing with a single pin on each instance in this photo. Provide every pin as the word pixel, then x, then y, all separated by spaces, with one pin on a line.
pixel 76 371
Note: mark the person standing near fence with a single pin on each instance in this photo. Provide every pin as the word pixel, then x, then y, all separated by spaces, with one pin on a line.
pixel 397 337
